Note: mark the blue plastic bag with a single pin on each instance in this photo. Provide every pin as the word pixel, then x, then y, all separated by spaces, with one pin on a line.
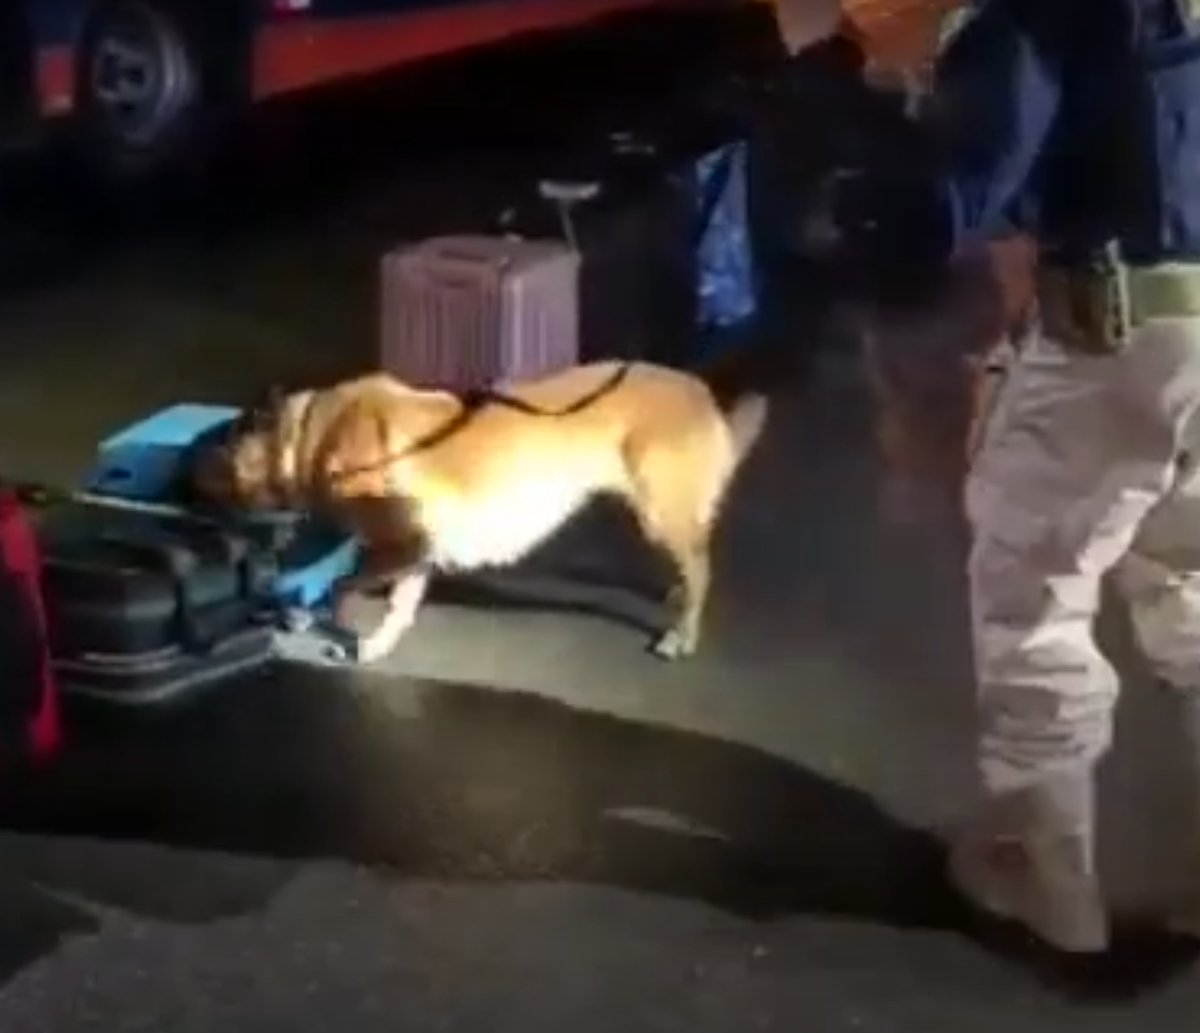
pixel 727 281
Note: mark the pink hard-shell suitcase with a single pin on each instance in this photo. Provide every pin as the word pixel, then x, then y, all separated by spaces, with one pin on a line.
pixel 463 312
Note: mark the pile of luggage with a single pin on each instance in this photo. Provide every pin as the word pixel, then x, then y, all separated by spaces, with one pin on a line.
pixel 641 249
pixel 121 592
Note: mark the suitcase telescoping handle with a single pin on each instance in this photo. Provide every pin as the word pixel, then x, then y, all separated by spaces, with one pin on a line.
pixel 33 494
pixel 565 195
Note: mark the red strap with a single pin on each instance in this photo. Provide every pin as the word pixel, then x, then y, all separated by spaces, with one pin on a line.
pixel 21 559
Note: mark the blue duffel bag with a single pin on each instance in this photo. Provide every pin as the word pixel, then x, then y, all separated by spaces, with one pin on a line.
pixel 726 275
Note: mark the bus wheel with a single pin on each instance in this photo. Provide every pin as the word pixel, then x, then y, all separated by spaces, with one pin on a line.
pixel 141 89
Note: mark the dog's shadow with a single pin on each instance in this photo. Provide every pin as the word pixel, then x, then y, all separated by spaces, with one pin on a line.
pixel 471 783
pixel 449 782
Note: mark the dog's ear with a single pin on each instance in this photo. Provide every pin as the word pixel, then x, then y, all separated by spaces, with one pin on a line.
pixel 196 473
pixel 263 411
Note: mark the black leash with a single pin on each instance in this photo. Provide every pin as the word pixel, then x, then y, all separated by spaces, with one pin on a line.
pixel 475 401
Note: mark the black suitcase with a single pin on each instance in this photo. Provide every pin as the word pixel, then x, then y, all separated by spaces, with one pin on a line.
pixel 632 226
pixel 637 295
pixel 140 608
pixel 632 206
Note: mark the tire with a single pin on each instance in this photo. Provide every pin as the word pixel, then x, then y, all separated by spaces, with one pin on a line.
pixel 142 91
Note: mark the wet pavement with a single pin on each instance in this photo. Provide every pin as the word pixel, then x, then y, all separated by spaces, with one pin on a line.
pixel 524 821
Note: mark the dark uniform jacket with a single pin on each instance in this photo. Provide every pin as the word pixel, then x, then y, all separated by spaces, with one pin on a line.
pixel 1075 120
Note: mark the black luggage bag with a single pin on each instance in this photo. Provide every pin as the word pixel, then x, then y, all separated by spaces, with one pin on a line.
pixel 140 608
pixel 631 227
pixel 634 208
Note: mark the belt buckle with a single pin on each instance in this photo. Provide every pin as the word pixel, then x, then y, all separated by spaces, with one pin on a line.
pixel 1100 303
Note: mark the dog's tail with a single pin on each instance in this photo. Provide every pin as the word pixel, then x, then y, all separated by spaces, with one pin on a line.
pixel 747 418
pixel 737 380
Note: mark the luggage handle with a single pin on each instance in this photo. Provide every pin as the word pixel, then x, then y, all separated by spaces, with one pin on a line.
pixel 452 280
pixel 460 269
pixel 629 144
pixel 473 260
pixel 565 195
pixel 569 191
pixel 41 495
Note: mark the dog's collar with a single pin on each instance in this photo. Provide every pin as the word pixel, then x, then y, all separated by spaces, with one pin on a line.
pixel 291 439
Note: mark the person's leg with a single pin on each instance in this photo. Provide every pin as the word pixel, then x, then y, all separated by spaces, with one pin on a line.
pixel 1160 579
pixel 1079 450
pixel 1185 916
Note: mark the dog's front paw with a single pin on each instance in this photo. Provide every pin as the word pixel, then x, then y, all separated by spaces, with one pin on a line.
pixel 373 623
pixel 674 645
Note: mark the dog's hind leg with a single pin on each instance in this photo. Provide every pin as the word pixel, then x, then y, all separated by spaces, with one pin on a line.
pixel 682 529
pixel 688 598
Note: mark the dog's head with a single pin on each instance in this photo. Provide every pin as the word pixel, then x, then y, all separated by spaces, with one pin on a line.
pixel 293 449
pixel 238 464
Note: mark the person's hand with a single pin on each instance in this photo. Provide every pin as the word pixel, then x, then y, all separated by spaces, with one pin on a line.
pixel 934 370
pixel 803 23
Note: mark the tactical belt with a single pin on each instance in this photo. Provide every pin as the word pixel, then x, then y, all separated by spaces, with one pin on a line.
pixel 1169 291
pixel 1095 308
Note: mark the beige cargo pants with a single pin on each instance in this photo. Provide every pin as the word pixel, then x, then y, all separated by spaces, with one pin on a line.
pixel 1088 465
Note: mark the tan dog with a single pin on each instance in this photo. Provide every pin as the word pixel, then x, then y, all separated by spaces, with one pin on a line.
pixel 429 481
